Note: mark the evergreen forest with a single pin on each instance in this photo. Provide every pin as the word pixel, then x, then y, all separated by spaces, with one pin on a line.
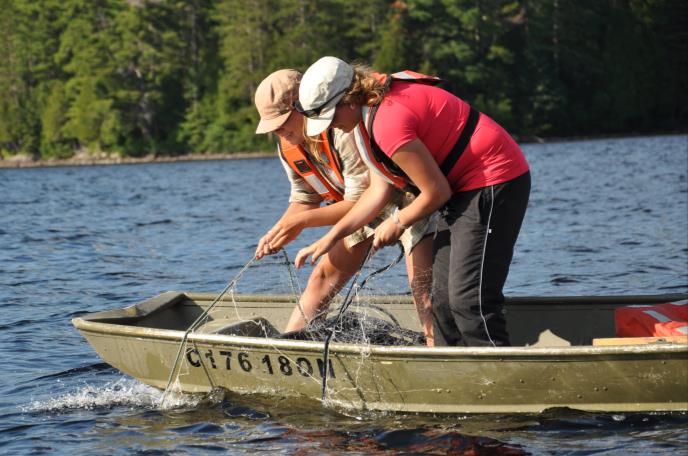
pixel 169 77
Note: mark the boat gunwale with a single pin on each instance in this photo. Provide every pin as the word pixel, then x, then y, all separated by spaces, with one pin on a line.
pixel 168 299
pixel 112 329
pixel 509 300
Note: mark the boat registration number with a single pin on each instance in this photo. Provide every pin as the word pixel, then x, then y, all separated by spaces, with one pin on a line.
pixel 268 364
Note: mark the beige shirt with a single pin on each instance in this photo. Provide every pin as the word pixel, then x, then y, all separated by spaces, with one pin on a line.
pixel 354 172
pixel 356 180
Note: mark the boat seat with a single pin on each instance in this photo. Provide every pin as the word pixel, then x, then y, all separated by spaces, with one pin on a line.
pixel 255 327
pixel 548 339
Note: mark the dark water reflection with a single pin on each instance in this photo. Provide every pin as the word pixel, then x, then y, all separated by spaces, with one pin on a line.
pixel 608 216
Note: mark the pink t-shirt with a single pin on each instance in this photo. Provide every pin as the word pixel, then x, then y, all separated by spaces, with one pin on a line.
pixel 437 117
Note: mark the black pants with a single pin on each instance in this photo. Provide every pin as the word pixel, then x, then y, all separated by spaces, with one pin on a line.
pixel 471 257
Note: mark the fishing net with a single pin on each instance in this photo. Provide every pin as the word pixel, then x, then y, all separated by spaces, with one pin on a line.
pixel 352 319
pixel 353 315
pixel 355 327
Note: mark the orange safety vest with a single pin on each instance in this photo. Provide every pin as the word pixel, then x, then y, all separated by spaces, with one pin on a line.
pixel 658 320
pixel 370 152
pixel 299 160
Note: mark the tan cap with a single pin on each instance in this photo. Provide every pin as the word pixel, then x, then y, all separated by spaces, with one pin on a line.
pixel 324 84
pixel 275 99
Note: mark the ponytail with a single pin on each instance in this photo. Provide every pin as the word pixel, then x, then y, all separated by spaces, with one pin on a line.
pixel 366 89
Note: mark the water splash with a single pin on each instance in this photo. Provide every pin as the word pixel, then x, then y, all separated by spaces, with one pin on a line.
pixel 124 392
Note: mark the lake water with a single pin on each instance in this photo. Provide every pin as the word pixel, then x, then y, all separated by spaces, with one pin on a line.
pixel 606 216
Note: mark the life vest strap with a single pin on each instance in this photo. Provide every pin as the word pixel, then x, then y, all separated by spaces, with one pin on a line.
pixel 454 154
pixel 461 143
pixel 379 153
pixel 296 157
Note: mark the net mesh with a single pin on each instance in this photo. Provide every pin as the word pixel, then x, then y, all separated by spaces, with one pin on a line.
pixel 353 316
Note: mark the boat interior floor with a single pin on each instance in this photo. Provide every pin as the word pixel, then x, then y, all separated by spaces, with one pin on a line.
pixel 388 320
pixel 349 328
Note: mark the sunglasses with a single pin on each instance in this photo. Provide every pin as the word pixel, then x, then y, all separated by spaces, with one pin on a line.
pixel 314 112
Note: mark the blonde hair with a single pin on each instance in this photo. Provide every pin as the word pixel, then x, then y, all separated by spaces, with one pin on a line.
pixel 366 89
pixel 312 143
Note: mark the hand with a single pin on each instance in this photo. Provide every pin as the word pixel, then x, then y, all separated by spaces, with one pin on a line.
pixel 264 244
pixel 315 250
pixel 287 229
pixel 387 233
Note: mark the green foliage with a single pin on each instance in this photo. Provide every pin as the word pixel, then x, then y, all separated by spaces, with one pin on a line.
pixel 30 34
pixel 391 49
pixel 140 77
pixel 54 142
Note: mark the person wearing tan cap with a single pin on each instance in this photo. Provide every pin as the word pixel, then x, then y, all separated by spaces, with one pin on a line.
pixel 459 160
pixel 329 169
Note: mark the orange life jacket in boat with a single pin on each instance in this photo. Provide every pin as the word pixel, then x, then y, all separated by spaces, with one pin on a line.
pixel 370 152
pixel 660 320
pixel 299 160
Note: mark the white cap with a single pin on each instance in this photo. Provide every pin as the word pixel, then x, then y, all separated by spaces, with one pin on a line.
pixel 322 86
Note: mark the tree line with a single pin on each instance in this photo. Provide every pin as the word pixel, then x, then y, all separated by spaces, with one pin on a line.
pixel 169 77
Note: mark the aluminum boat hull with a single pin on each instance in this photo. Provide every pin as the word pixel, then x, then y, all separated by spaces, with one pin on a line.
pixel 554 366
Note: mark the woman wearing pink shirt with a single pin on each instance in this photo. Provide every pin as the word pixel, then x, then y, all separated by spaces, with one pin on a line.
pixel 460 161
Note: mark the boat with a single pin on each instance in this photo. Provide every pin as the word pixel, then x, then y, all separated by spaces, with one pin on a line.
pixel 564 354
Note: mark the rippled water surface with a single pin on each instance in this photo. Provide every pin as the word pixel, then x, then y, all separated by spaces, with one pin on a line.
pixel 606 217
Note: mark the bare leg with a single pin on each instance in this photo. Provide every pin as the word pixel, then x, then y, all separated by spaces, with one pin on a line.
pixel 419 269
pixel 329 276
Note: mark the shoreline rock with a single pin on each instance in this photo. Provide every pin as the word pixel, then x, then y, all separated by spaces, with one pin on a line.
pixel 84 159
pixel 26 161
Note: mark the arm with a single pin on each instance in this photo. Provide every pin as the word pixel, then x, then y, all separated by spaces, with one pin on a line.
pixel 356 181
pixel 293 210
pixel 371 202
pixel 420 166
pixel 355 175
pixel 290 226
pixel 303 200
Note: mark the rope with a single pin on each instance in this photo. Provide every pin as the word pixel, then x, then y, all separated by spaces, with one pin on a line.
pixel 345 305
pixel 194 326
pixel 295 286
